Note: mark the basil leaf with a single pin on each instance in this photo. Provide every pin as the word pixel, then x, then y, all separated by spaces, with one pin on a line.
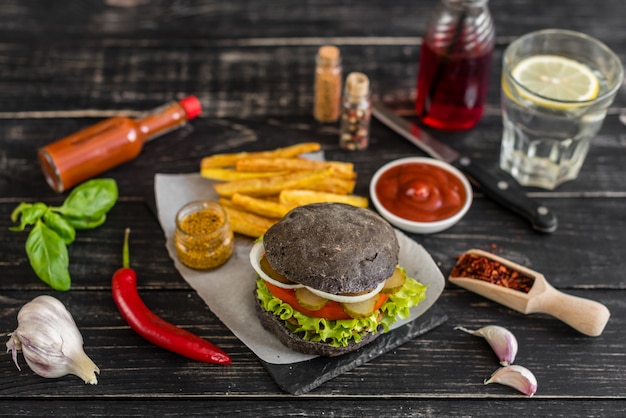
pixel 48 257
pixel 28 213
pixel 91 199
pixel 59 225
pixel 85 223
pixel 18 210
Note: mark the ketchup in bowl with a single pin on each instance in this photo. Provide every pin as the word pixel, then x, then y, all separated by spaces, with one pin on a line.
pixel 420 194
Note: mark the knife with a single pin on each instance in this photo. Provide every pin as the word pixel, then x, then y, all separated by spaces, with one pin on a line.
pixel 494 182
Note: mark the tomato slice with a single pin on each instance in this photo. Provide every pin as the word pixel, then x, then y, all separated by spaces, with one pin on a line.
pixel 332 310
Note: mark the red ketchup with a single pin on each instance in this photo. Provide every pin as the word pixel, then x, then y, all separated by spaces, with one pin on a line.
pixel 420 192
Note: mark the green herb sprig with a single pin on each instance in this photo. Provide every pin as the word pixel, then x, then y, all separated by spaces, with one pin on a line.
pixel 54 227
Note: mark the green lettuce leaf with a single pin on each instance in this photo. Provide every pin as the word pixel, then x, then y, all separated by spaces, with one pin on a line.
pixel 338 333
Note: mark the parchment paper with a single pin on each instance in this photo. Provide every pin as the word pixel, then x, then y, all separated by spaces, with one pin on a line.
pixel 229 290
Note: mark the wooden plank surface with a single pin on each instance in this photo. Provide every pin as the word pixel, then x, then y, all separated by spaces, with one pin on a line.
pixel 64 67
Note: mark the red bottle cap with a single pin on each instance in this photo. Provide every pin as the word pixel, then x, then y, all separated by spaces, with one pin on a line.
pixel 192 106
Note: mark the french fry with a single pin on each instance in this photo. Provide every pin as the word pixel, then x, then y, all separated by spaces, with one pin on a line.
pixel 294 150
pixel 222 160
pixel 305 197
pixel 246 223
pixel 340 169
pixel 229 174
pixel 228 160
pixel 268 186
pixel 261 207
pixel 334 185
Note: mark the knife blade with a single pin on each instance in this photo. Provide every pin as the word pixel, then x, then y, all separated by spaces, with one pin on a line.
pixel 494 182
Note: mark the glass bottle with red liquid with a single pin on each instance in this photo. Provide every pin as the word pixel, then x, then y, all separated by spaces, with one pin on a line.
pixel 455 64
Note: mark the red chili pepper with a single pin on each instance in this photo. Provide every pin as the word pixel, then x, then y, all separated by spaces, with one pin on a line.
pixel 153 328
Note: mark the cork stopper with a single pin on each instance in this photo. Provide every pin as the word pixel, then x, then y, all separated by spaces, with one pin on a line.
pixel 357 84
pixel 328 55
pixel 328 52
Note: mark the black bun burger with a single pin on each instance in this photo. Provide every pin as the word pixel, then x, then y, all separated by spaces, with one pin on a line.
pixel 329 280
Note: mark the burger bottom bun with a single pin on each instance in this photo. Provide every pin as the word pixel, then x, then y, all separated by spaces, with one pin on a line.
pixel 276 326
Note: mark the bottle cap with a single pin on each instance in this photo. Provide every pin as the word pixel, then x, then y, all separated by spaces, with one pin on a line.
pixel 192 106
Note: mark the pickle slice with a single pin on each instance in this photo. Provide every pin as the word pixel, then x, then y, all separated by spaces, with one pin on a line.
pixel 309 300
pixel 395 282
pixel 360 310
pixel 269 270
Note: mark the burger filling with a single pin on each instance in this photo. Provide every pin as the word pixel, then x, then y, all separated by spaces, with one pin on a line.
pixel 339 324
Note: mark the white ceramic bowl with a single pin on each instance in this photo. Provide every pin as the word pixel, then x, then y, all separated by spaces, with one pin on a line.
pixel 414 226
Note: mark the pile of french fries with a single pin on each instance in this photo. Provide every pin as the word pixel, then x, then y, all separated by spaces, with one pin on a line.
pixel 258 188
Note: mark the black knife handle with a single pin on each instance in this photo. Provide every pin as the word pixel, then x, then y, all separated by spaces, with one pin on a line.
pixel 502 188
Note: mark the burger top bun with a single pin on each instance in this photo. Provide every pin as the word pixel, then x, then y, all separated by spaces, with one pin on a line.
pixel 333 247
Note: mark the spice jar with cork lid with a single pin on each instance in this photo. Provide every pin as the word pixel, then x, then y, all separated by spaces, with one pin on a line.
pixel 355 113
pixel 203 236
pixel 327 84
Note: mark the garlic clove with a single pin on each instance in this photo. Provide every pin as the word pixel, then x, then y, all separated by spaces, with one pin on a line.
pixel 501 340
pixel 50 341
pixel 14 345
pixel 517 377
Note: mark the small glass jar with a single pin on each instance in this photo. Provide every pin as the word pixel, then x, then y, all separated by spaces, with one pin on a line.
pixel 327 84
pixel 203 236
pixel 354 129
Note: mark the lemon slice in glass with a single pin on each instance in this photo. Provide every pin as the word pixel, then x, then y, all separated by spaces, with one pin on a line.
pixel 555 81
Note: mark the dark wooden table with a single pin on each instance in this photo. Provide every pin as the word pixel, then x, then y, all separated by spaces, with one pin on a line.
pixel 66 65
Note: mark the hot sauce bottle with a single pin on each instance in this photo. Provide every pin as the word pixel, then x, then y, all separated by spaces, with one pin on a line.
pixel 109 143
pixel 454 65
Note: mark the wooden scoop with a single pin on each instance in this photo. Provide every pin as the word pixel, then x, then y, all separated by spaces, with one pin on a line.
pixel 585 315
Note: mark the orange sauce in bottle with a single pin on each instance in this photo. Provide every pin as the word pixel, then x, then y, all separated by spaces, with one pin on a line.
pixel 109 143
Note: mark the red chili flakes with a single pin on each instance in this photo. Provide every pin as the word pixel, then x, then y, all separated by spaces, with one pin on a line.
pixel 482 268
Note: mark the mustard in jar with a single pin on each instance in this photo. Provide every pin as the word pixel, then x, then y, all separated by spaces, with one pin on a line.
pixel 203 236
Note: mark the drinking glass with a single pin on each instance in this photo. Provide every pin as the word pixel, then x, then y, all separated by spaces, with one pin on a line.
pixel 545 140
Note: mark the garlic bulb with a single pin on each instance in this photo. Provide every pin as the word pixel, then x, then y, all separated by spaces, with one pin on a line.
pixel 50 341
pixel 517 377
pixel 501 340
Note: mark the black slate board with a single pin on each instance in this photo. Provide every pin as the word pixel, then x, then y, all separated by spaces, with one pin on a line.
pixel 300 378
